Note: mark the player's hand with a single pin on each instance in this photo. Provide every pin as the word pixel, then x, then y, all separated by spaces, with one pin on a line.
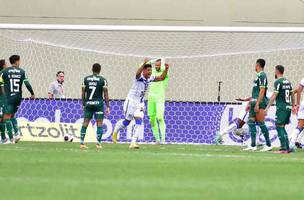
pixel 146 60
pixel 266 112
pixel 247 107
pixel 107 111
pixel 32 97
pixel 295 109
pixel 167 65
pixel 256 108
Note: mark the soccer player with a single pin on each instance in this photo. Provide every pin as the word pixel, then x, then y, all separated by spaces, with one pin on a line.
pixel 283 95
pixel 3 65
pixel 12 79
pixel 156 103
pixel 238 123
pixel 94 92
pixel 299 110
pixel 134 104
pixel 258 104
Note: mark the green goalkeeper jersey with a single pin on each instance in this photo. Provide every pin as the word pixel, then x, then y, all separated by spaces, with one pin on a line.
pixel 260 82
pixel 283 87
pixel 157 90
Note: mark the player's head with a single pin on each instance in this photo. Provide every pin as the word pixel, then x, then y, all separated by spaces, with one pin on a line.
pixel 260 64
pixel 96 68
pixel 158 64
pixel 60 76
pixel 147 71
pixel 279 71
pixel 2 64
pixel 15 60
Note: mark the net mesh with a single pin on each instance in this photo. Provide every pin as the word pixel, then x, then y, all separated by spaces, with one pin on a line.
pixel 199 59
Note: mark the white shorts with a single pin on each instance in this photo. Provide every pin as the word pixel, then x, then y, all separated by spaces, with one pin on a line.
pixel 133 109
pixel 301 111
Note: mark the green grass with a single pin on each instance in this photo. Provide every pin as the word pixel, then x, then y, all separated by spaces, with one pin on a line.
pixel 61 171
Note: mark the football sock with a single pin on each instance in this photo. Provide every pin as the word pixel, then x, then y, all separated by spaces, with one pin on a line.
pixel 228 129
pixel 121 125
pixel 295 135
pixel 82 134
pixel 9 128
pixel 265 132
pixel 99 134
pixel 252 130
pixel 136 130
pixel 15 126
pixel 2 131
pixel 282 138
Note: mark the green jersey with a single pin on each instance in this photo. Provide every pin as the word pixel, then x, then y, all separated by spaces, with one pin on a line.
pixel 12 79
pixel 93 86
pixel 260 82
pixel 158 89
pixel 283 88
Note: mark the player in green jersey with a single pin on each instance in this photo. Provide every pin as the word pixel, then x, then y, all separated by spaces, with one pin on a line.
pixel 3 65
pixel 94 93
pixel 11 80
pixel 284 97
pixel 257 106
pixel 156 102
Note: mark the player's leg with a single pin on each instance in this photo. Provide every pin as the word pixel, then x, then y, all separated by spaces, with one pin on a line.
pixel 99 116
pixel 153 119
pixel 8 113
pixel 2 125
pixel 282 118
pixel 88 114
pixel 160 112
pixel 299 128
pixel 236 124
pixel 129 110
pixel 138 116
pixel 260 119
pixel 252 128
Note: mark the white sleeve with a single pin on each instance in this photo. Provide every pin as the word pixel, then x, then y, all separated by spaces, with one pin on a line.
pixel 51 88
pixel 152 78
pixel 302 82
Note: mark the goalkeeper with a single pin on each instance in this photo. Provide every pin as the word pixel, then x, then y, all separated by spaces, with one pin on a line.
pixel 156 102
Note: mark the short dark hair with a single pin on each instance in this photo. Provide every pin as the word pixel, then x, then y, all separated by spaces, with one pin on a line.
pixel 59 72
pixel 2 63
pixel 96 68
pixel 147 66
pixel 14 58
pixel 261 62
pixel 280 68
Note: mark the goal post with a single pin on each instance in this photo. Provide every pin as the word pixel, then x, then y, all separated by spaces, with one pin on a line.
pixel 200 58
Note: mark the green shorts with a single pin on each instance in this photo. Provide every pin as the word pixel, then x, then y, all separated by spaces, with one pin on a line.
pixel 252 113
pixel 11 106
pixel 283 116
pixel 95 110
pixel 156 108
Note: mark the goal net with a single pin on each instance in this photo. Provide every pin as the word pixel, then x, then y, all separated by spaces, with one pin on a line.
pixel 199 58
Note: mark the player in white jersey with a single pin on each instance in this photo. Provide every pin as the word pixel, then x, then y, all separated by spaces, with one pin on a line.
pixel 237 126
pixel 299 110
pixel 134 103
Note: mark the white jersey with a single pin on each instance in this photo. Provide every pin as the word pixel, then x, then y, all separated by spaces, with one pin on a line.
pixel 139 88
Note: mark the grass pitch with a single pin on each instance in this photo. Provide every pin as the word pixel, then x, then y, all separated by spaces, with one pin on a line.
pixel 60 171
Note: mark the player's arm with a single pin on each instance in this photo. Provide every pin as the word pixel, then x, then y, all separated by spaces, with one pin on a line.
pixel 298 93
pixel 271 101
pixel 106 97
pixel 163 75
pixel 51 91
pixel 244 99
pixel 141 68
pixel 29 88
pixel 83 95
